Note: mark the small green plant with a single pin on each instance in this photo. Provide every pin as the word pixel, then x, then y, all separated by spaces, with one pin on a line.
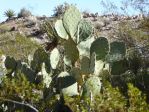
pixel 9 13
pixel 19 91
pixel 110 100
pixel 137 100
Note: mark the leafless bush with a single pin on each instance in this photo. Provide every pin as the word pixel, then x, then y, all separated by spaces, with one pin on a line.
pixel 24 13
pixel 60 9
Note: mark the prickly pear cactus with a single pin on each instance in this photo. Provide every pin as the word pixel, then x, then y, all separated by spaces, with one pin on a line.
pixel 47 78
pixel 85 30
pixel 60 29
pixel 119 67
pixel 92 62
pixel 76 73
pixel 67 84
pixel 54 58
pixel 92 87
pixel 99 66
pixel 118 48
pixel 101 48
pixel 71 52
pixel 85 65
pixel 117 51
pixel 39 57
pixel 26 70
pixel 71 19
pixel 10 64
pixel 84 46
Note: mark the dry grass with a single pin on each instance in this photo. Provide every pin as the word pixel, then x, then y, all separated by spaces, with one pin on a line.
pixel 16 45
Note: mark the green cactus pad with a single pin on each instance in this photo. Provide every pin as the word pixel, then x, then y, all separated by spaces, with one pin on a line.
pixel 54 58
pixel 28 72
pixel 71 19
pixel 92 62
pixel 60 29
pixel 71 52
pixel 67 84
pixel 119 67
pixel 85 65
pixel 76 73
pixel 84 47
pixel 39 57
pixel 117 51
pixel 99 66
pixel 118 48
pixel 101 47
pixel 10 64
pixel 91 87
pixel 47 78
pixel 85 30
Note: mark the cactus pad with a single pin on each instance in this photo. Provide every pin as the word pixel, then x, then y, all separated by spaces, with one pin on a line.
pixel 101 48
pixel 91 87
pixel 54 58
pixel 71 52
pixel 39 57
pixel 10 64
pixel 67 84
pixel 85 65
pixel 84 47
pixel 46 77
pixel 85 30
pixel 119 67
pixel 99 66
pixel 60 29
pixel 117 51
pixel 71 19
pixel 76 73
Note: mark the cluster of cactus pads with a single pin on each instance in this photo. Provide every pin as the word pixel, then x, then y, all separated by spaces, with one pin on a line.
pixel 85 58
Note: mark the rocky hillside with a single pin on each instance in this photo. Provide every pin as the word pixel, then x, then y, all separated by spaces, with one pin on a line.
pixel 111 26
pixel 28 26
pixel 106 24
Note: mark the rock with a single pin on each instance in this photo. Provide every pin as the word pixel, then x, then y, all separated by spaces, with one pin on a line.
pixel 85 14
pixel 31 18
pixel 114 18
pixel 100 24
pixel 30 24
pixel 14 28
pixel 106 28
pixel 134 17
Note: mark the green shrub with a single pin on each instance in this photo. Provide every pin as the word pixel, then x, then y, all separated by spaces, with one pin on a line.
pixel 19 89
pixel 137 100
pixel 111 100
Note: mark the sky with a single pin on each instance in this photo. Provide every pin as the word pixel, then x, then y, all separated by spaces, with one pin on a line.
pixel 45 7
